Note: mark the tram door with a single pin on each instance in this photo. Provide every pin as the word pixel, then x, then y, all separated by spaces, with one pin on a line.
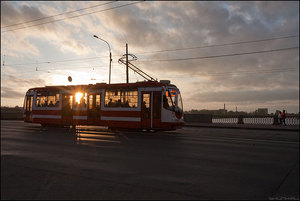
pixel 156 109
pixel 28 108
pixel 94 105
pixel 151 109
pixel 67 109
pixel 146 109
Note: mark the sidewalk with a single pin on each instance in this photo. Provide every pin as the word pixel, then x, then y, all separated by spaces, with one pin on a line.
pixel 244 126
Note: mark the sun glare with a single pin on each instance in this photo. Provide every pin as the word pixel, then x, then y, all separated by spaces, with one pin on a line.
pixel 78 96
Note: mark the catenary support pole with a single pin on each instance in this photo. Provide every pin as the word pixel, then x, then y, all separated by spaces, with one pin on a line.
pixel 127 77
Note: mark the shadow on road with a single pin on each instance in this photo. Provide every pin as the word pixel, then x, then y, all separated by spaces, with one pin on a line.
pixel 93 136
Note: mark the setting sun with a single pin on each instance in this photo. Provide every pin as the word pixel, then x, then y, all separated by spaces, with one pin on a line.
pixel 78 96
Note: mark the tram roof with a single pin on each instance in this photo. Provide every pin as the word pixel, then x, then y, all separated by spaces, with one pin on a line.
pixel 103 85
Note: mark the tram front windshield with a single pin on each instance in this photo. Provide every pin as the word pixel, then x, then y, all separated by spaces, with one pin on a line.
pixel 172 100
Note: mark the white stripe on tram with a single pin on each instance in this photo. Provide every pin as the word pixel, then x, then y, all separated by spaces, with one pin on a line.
pixel 121 118
pixel 46 116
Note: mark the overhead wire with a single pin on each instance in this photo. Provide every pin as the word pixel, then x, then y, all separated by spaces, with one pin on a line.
pixel 217 74
pixel 72 16
pixel 178 59
pixel 218 45
pixel 274 70
pixel 186 58
pixel 59 61
pixel 270 71
pixel 218 56
pixel 63 13
pixel 178 49
pixel 66 68
pixel 158 51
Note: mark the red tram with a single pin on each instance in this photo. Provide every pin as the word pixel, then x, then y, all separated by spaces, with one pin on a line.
pixel 141 105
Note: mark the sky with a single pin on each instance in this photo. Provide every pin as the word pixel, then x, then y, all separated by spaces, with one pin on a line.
pixel 241 54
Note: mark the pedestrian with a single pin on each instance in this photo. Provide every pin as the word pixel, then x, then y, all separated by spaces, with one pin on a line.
pixel 283 116
pixel 279 118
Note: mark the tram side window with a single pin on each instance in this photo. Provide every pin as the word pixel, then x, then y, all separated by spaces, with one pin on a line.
pixel 98 98
pixel 24 104
pixel 27 104
pixel 94 101
pixel 31 103
pixel 121 98
pixel 90 102
pixel 47 100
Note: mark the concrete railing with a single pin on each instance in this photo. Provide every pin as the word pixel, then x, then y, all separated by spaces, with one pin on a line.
pixel 240 119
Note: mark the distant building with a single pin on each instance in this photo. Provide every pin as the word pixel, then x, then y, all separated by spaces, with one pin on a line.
pixel 262 111
pixel 221 111
pixel 214 112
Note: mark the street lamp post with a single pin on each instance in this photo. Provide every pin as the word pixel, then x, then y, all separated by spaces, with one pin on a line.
pixel 110 59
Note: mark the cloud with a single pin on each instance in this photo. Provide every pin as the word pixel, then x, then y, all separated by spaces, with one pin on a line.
pixel 12 82
pixel 25 82
pixel 60 33
pixel 248 95
pixel 150 26
pixel 126 25
pixel 10 15
pixel 8 92
pixel 13 88
pixel 168 26
pixel 17 16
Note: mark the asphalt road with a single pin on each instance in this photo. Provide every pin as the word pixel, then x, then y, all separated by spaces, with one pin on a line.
pixel 190 163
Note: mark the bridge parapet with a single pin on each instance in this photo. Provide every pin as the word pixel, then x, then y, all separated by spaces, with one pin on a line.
pixel 240 119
